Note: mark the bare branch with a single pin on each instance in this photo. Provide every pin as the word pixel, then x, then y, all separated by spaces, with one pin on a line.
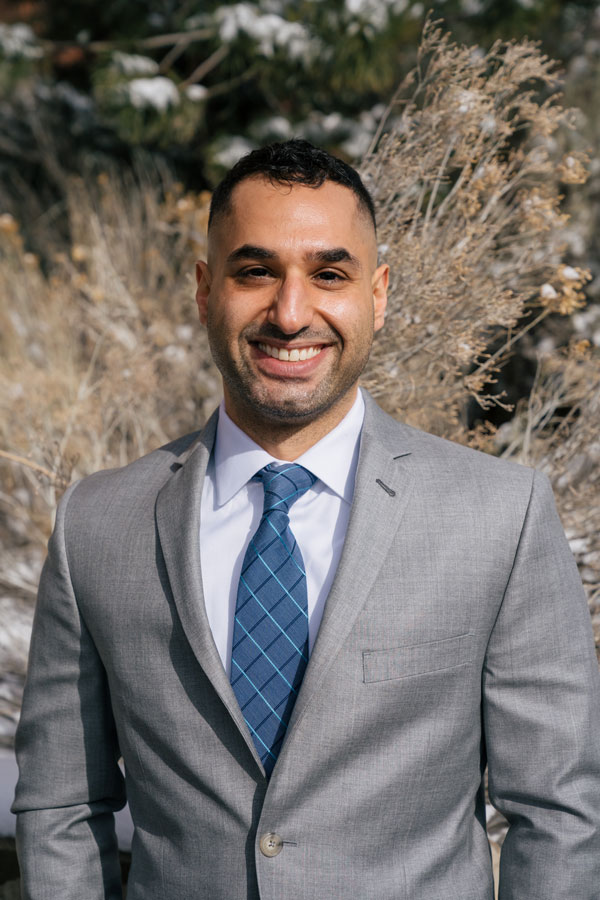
pixel 150 43
pixel 207 66
pixel 22 461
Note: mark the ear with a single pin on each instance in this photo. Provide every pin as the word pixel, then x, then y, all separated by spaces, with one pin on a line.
pixel 202 289
pixel 379 284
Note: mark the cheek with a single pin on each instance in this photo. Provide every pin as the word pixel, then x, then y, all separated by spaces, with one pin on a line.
pixel 220 315
pixel 353 317
pixel 217 329
pixel 226 324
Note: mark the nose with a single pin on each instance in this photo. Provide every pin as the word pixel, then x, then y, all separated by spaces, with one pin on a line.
pixel 291 308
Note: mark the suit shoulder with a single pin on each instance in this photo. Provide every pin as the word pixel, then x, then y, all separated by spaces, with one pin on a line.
pixel 139 479
pixel 443 457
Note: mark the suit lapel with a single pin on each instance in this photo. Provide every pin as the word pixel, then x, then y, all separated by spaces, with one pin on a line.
pixel 382 490
pixel 381 494
pixel 178 521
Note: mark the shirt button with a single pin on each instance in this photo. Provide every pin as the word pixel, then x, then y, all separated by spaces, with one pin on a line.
pixel 270 844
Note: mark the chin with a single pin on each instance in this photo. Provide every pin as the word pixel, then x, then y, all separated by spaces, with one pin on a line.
pixel 292 410
pixel 283 404
pixel 286 411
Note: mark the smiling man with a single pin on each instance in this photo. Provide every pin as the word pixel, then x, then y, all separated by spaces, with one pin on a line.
pixel 307 628
pixel 291 295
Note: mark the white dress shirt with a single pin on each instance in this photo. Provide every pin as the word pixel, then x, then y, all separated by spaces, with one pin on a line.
pixel 232 507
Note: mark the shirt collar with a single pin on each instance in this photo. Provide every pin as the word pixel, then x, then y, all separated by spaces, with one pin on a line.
pixel 333 459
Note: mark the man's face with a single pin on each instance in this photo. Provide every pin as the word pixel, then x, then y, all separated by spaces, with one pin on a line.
pixel 291 295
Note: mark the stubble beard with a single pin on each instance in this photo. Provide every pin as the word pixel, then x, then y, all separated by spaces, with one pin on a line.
pixel 288 406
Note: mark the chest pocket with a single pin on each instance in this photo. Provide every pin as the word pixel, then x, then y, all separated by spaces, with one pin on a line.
pixel 419 659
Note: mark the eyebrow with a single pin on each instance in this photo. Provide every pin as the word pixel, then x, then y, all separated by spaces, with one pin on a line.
pixel 249 251
pixel 332 255
pixel 335 255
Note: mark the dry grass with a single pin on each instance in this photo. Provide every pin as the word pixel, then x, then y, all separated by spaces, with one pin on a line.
pixel 557 430
pixel 101 355
pixel 467 184
pixel 468 179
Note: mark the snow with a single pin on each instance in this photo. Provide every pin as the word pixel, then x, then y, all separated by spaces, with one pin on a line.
pixel 196 92
pixel 274 128
pixel 472 7
pixel 159 92
pixel 133 64
pixel 269 30
pixel 548 292
pixel 231 150
pixel 578 545
pixel 376 12
pixel 570 273
pixel 357 144
pixel 19 41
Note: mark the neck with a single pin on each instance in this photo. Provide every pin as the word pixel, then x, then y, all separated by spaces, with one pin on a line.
pixel 290 439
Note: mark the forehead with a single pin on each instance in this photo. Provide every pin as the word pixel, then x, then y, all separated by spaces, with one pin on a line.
pixel 285 217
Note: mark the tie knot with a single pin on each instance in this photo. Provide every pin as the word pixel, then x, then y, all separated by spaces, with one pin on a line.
pixel 283 484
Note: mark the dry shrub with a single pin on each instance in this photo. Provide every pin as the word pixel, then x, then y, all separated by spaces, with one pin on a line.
pixel 102 358
pixel 467 181
pixel 557 430
pixel 467 189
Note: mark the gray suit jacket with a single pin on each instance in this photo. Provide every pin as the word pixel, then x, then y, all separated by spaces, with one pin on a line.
pixel 456 632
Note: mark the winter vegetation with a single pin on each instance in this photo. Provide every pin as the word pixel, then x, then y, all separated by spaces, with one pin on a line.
pixel 485 178
pixel 468 175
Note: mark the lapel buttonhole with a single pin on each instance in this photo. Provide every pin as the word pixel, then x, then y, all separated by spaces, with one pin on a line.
pixel 387 489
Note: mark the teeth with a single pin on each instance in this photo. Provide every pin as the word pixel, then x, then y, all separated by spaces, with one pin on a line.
pixel 286 355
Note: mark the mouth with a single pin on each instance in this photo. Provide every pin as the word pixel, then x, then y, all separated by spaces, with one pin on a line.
pixel 290 354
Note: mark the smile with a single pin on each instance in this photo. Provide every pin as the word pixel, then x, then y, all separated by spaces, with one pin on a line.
pixel 294 355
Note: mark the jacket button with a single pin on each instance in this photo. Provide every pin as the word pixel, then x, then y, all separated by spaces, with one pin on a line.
pixel 270 844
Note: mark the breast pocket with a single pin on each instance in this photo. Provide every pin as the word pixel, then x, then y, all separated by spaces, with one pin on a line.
pixel 419 659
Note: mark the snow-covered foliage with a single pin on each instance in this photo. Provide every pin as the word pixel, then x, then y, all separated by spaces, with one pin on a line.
pixel 376 12
pixel 19 41
pixel 270 31
pixel 132 64
pixel 196 92
pixel 228 151
pixel 159 93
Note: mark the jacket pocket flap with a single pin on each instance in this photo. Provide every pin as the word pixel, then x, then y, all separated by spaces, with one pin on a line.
pixel 402 662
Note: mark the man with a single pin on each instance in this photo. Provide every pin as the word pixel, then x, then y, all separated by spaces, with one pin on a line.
pixel 307 628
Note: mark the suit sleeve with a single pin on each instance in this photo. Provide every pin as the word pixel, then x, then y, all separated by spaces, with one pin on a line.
pixel 70 782
pixel 541 713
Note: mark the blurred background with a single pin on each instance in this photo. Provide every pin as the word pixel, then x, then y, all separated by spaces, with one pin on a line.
pixel 197 84
pixel 117 118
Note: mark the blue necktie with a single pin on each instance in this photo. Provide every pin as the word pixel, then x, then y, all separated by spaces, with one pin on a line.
pixel 270 632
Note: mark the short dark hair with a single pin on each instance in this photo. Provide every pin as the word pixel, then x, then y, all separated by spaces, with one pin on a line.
pixel 291 162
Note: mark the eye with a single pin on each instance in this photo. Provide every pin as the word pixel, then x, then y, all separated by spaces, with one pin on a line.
pixel 330 276
pixel 254 272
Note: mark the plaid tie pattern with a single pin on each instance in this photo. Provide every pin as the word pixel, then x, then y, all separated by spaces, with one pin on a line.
pixel 270 632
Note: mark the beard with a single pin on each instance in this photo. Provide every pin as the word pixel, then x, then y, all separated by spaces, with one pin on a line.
pixel 284 401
